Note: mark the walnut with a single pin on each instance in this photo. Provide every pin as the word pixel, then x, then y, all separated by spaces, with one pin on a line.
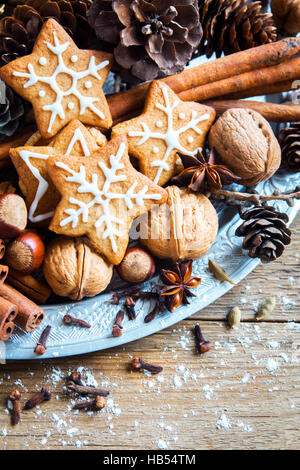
pixel 246 144
pixel 287 15
pixel 74 270
pixel 183 228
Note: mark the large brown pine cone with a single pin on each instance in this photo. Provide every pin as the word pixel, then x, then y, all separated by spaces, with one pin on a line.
pixel 150 38
pixel 286 15
pixel 289 139
pixel 232 25
pixel 19 31
pixel 265 232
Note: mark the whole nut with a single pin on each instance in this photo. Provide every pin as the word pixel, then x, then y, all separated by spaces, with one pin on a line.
pixel 137 266
pixel 246 144
pixel 74 270
pixel 183 228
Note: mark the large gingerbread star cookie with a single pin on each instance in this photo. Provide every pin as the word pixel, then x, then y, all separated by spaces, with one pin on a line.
pixel 101 196
pixel 166 126
pixel 61 81
pixel 30 163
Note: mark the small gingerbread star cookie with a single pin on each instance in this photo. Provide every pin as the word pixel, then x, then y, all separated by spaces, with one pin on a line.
pixel 166 126
pixel 30 163
pixel 61 81
pixel 101 196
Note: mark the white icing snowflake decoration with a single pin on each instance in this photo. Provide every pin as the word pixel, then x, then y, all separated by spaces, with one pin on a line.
pixel 56 108
pixel 171 136
pixel 103 196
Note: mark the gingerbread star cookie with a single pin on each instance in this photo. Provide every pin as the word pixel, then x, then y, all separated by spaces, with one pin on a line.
pixel 101 196
pixel 166 126
pixel 30 163
pixel 61 81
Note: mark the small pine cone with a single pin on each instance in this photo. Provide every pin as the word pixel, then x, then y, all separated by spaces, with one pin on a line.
pixel 11 113
pixel 233 26
pixel 19 31
pixel 289 139
pixel 265 232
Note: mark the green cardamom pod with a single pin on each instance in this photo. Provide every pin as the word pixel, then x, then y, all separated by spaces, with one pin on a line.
pixel 266 308
pixel 234 317
pixel 219 272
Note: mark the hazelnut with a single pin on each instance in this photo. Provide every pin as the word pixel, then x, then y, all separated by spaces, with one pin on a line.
pixel 183 228
pixel 137 266
pixel 26 253
pixel 74 270
pixel 246 144
pixel 13 215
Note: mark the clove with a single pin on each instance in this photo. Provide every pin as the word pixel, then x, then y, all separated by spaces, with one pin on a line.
pixel 158 308
pixel 75 377
pixel 132 290
pixel 86 390
pixel 41 345
pixel 117 328
pixel 202 345
pixel 72 321
pixel 129 306
pixel 95 405
pixel 38 398
pixel 138 364
pixel 15 399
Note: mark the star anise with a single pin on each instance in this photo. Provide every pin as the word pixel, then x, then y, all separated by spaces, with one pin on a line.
pixel 201 172
pixel 178 281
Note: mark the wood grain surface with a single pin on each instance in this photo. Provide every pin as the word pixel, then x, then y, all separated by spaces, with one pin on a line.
pixel 243 394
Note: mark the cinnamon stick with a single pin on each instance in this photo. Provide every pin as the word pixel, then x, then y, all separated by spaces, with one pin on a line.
pixel 270 89
pixel 270 111
pixel 11 142
pixel 30 315
pixel 289 70
pixel 3 273
pixel 8 313
pixel 239 63
pixel 2 248
pixel 29 286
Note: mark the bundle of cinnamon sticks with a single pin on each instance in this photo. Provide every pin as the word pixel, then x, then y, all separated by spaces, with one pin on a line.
pixel 15 308
pixel 263 70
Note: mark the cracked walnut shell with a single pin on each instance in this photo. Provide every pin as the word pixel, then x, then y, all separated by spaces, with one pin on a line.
pixel 246 144
pixel 74 270
pixel 183 228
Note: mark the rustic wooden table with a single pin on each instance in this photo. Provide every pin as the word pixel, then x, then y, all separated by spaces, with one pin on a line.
pixel 242 394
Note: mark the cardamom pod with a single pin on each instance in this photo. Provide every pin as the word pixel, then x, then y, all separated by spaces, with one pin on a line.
pixel 266 308
pixel 219 272
pixel 234 317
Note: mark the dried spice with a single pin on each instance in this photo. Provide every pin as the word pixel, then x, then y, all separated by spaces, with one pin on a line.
pixel 159 307
pixel 266 308
pixel 265 232
pixel 15 408
pixel 38 398
pixel 234 317
pixel 72 321
pixel 86 390
pixel 75 377
pixel 41 345
pixel 117 328
pixel 130 292
pixel 218 272
pixel 129 306
pixel 138 364
pixel 178 283
pixel 95 405
pixel 202 345
pixel 201 172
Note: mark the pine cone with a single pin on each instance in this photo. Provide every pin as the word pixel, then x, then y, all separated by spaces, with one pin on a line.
pixel 19 31
pixel 233 26
pixel 11 113
pixel 286 15
pixel 289 139
pixel 151 39
pixel 265 233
